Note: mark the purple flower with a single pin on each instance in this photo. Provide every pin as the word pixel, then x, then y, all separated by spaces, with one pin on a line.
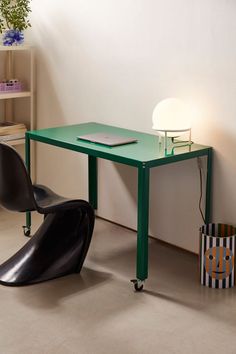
pixel 13 37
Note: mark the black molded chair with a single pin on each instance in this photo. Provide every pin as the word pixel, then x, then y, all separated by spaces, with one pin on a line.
pixel 60 245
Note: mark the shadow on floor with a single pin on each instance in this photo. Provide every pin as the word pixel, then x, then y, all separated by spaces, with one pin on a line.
pixel 51 293
pixel 173 277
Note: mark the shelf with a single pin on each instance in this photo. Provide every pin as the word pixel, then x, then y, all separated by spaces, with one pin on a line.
pixel 20 58
pixel 13 48
pixel 6 95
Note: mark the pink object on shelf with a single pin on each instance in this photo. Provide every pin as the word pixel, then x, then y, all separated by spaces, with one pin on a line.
pixel 11 87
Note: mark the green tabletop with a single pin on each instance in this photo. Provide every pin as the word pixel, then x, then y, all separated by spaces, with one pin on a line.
pixel 147 150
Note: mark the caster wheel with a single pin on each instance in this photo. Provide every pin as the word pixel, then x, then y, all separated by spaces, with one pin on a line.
pixel 26 231
pixel 138 284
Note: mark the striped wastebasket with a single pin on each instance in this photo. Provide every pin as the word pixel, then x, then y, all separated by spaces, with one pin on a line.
pixel 217 254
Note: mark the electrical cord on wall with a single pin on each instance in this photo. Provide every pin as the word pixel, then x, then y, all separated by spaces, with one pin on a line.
pixel 200 198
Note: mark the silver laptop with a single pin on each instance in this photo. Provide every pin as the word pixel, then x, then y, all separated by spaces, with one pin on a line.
pixel 107 139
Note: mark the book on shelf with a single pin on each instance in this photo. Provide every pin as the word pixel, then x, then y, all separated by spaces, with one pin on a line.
pixel 10 137
pixel 12 130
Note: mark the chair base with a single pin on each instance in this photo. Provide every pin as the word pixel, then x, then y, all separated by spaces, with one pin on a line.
pixel 58 248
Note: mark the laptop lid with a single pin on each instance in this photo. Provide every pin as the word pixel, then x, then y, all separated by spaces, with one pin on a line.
pixel 107 139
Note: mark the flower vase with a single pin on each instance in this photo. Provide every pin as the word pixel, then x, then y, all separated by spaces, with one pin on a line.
pixel 13 37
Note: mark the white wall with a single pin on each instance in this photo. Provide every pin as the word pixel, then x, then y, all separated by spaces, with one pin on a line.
pixel 111 62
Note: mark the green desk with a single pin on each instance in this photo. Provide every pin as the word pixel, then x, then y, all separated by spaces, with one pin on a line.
pixel 144 155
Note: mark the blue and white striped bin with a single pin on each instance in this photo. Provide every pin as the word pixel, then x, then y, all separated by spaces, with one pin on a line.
pixel 217 254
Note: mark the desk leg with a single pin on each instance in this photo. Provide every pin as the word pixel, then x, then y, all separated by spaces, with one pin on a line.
pixel 208 188
pixel 143 214
pixel 92 181
pixel 27 227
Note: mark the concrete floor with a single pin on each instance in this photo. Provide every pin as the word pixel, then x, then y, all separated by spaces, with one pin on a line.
pixel 97 312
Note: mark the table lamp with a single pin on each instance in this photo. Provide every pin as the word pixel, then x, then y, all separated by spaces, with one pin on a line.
pixel 171 118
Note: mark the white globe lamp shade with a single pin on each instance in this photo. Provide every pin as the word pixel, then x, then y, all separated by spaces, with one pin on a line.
pixel 172 116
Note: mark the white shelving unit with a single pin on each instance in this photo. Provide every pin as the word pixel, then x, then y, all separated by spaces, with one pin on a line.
pixel 10 56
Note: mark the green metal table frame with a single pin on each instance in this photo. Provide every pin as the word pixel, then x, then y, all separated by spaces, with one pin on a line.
pixel 144 155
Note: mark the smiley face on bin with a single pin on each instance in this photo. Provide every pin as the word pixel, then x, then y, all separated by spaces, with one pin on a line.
pixel 219 262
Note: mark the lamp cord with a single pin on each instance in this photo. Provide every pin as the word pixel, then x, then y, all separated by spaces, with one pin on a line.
pixel 200 198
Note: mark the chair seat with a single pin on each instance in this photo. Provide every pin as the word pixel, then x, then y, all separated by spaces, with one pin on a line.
pixel 49 202
pixel 61 243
